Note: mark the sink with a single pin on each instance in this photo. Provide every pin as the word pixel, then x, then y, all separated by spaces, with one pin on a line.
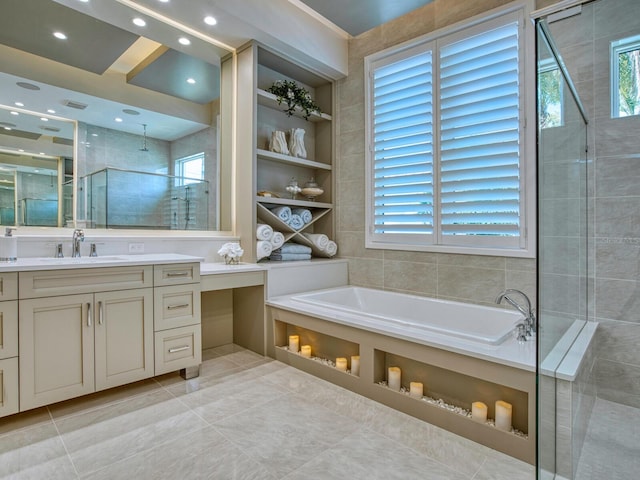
pixel 72 260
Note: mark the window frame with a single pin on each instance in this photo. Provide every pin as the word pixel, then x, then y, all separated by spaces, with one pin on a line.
pixel 472 244
pixel 619 47
pixel 180 178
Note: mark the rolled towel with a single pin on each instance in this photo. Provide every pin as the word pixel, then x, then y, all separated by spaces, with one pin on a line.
pixel 277 240
pixel 289 257
pixel 263 249
pixel 320 240
pixel 304 214
pixel 283 213
pixel 291 247
pixel 296 222
pixel 332 248
pixel 264 232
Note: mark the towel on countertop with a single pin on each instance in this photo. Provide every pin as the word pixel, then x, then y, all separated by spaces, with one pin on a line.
pixel 290 257
pixel 283 213
pixel 263 249
pixel 277 240
pixel 296 222
pixel 264 232
pixel 320 240
pixel 291 247
pixel 304 214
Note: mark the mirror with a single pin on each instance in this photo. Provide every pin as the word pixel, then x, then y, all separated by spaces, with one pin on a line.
pixel 141 144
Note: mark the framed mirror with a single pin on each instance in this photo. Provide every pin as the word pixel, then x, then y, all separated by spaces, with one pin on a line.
pixel 141 147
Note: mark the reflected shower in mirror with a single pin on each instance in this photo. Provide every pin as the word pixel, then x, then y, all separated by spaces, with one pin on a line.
pixel 148 120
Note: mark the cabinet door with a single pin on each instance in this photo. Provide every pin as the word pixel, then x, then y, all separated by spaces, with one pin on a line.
pixel 8 386
pixel 9 329
pixel 56 349
pixel 124 337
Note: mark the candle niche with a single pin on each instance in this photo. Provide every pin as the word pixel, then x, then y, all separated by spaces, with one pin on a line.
pixel 331 351
pixel 455 392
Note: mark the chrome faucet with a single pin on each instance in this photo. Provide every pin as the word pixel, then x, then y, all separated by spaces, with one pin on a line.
pixel 78 236
pixel 528 312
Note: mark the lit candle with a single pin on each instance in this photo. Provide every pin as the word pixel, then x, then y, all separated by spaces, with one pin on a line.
pixel 416 389
pixel 294 343
pixel 479 412
pixel 305 351
pixel 503 415
pixel 355 365
pixel 341 364
pixel 393 378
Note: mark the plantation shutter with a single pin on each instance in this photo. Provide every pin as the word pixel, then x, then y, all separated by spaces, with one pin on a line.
pixel 403 146
pixel 480 138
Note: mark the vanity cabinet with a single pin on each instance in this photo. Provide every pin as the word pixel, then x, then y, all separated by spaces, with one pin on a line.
pixel 75 344
pixel 8 344
pixel 273 171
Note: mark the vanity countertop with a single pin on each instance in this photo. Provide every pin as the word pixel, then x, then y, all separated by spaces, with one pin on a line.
pixel 221 268
pixel 51 263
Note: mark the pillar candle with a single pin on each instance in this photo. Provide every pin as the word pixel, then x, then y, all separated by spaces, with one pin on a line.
pixel 341 364
pixel 355 365
pixel 393 378
pixel 479 412
pixel 305 351
pixel 503 415
pixel 294 343
pixel 416 389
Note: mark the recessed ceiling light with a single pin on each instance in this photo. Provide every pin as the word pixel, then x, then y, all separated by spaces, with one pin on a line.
pixel 130 111
pixel 14 113
pixel 36 170
pixel 28 86
pixel 44 119
pixel 60 35
pixel 19 104
pixel 84 1
pixel 51 110
pixel 21 149
pixel 139 22
pixel 191 80
pixel 7 128
pixel 164 1
pixel 118 119
pixel 94 134
pixel 184 41
pixel 42 153
pixel 209 20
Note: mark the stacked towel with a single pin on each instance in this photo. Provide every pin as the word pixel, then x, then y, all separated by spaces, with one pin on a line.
pixel 296 222
pixel 263 249
pixel 290 257
pixel 291 247
pixel 304 214
pixel 320 240
pixel 277 240
pixel 264 232
pixel 283 213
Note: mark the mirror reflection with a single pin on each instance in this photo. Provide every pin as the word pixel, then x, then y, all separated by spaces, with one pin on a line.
pixel 147 126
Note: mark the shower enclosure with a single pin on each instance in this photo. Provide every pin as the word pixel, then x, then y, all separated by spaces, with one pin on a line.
pixel 588 57
pixel 116 198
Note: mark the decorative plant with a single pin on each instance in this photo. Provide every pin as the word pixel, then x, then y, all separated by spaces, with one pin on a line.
pixel 231 252
pixel 289 92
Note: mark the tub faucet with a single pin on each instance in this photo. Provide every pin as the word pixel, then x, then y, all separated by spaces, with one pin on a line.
pixel 78 236
pixel 528 312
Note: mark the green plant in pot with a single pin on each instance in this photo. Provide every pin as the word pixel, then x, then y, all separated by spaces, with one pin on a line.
pixel 294 96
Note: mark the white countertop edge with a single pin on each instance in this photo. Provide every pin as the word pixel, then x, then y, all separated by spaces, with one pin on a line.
pixel 40 263
pixel 510 353
pixel 569 368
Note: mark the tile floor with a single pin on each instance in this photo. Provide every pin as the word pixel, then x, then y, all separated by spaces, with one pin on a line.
pixel 245 417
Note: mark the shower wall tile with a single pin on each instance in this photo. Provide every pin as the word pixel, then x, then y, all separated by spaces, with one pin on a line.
pixel 618 382
pixel 351 168
pixel 352 245
pixel 410 277
pixel 617 300
pixel 470 284
pixel 560 293
pixel 561 217
pixel 619 260
pixel 560 255
pixel 404 256
pixel 366 272
pixel 624 16
pixel 618 176
pixel 618 342
pixel 617 217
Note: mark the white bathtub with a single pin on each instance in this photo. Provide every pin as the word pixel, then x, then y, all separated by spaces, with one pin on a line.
pixel 486 325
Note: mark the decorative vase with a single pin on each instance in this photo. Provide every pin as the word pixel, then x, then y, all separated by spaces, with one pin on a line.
pixel 296 143
pixel 229 260
pixel 278 143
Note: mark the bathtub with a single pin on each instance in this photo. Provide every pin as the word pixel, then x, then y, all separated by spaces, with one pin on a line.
pixel 392 311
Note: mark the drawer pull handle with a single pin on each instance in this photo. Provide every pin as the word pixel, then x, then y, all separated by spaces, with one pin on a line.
pixel 88 314
pixel 100 315
pixel 173 307
pixel 179 349
pixel 177 274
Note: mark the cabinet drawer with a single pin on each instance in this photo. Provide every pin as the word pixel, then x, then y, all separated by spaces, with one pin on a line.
pixel 9 329
pixel 176 306
pixel 48 283
pixel 178 348
pixel 176 274
pixel 8 386
pixel 9 286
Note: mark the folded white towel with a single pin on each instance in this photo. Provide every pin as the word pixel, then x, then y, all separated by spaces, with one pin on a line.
pixel 304 214
pixel 263 249
pixel 332 248
pixel 264 232
pixel 320 240
pixel 277 240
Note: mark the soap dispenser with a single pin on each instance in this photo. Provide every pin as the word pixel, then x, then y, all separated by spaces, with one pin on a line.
pixel 8 246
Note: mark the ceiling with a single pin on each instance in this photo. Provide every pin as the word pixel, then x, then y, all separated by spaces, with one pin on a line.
pixel 115 49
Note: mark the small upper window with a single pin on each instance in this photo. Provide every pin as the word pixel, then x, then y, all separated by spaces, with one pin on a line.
pixel 625 77
pixel 550 95
pixel 190 169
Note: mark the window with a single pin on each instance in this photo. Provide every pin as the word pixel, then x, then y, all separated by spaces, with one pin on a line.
pixel 625 77
pixel 190 169
pixel 550 94
pixel 446 158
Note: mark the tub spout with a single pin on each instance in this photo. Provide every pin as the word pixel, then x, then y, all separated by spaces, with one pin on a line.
pixel 527 311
